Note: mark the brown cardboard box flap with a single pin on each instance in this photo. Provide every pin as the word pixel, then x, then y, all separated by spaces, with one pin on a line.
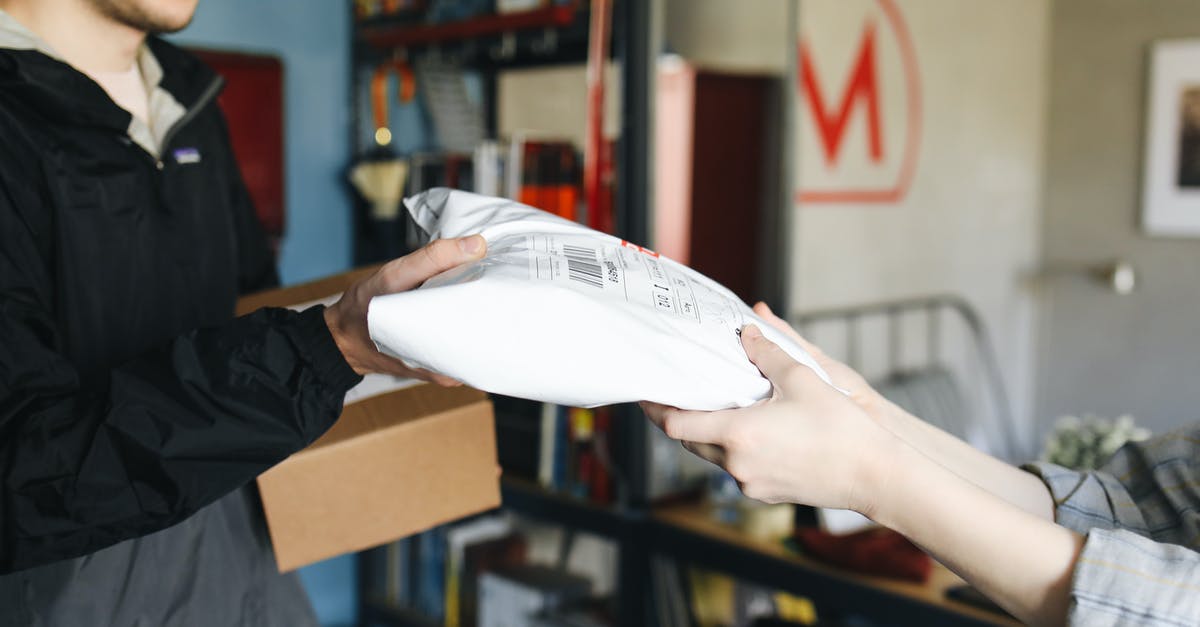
pixel 393 465
pixel 303 292
pixel 383 472
pixel 381 412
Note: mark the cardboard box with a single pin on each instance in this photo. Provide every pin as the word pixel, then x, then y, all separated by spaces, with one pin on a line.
pixel 399 460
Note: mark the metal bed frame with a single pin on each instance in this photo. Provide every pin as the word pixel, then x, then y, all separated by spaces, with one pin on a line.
pixel 934 309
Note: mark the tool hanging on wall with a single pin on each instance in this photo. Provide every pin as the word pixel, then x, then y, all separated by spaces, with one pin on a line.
pixel 406 90
pixel 381 180
pixel 381 183
pixel 380 176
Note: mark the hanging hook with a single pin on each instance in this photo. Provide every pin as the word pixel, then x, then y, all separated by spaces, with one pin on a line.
pixel 406 91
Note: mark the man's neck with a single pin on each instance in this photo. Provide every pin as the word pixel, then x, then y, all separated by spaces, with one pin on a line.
pixel 86 38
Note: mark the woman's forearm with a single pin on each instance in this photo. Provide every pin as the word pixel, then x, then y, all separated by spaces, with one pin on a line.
pixel 1009 483
pixel 1021 561
pixel 812 444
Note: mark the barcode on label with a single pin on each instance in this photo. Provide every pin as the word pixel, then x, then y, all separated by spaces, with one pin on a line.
pixel 582 265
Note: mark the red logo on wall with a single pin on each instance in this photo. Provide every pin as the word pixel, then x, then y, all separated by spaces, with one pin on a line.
pixel 863 98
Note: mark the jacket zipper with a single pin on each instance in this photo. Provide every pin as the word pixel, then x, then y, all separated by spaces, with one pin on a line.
pixel 206 96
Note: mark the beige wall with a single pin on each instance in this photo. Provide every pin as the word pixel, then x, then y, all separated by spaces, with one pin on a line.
pixel 730 35
pixel 969 223
pixel 1099 352
pixel 552 101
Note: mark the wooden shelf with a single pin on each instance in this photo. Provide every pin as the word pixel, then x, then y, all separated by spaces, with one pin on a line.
pixel 386 37
pixel 691 533
pixel 534 501
pixel 379 611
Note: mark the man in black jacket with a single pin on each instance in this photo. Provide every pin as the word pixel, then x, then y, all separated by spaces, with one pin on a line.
pixel 132 405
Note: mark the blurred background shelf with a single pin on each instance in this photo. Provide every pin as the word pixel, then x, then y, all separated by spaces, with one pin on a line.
pixel 694 535
pixel 656 547
pixel 384 35
pixel 551 36
pixel 533 501
pixel 381 612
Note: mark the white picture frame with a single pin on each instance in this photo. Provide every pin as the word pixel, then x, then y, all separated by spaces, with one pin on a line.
pixel 1171 167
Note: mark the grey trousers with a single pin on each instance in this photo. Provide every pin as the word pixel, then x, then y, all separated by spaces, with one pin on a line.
pixel 213 569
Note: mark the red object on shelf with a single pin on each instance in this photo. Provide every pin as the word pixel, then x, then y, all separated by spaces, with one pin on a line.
pixel 404 36
pixel 253 105
pixel 881 552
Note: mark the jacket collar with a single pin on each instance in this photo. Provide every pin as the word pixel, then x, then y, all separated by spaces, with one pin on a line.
pixel 31 71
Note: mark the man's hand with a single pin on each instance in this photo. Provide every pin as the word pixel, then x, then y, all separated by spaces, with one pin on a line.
pixel 347 318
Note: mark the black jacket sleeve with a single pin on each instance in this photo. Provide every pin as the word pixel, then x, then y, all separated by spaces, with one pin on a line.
pixel 172 431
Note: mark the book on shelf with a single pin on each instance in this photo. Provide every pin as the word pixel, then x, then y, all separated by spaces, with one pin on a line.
pixel 517 596
pixel 545 171
pixel 436 573
pixel 507 551
pixel 572 452
pixel 490 169
pixel 430 577
pixel 458 537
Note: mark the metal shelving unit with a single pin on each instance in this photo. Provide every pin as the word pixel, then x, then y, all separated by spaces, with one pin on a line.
pixel 639 530
pixel 489 45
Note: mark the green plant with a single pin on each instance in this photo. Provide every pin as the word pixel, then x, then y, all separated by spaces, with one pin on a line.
pixel 1086 443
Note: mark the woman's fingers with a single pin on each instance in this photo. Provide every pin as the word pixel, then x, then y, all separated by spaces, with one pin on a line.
pixel 785 373
pixel 710 452
pixel 772 361
pixel 695 426
pixel 764 311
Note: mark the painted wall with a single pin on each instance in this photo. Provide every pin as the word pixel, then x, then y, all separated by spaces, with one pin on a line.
pixel 970 220
pixel 1102 353
pixel 313 39
pixel 523 105
pixel 729 36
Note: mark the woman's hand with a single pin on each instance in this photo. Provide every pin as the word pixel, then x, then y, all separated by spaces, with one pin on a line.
pixel 843 376
pixel 1015 486
pixel 347 318
pixel 808 443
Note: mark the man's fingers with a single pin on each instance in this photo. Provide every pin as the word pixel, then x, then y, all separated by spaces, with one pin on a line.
pixel 695 426
pixel 387 364
pixel 433 377
pixel 438 256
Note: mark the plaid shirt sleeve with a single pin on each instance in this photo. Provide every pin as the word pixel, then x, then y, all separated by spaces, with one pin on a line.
pixel 1140 514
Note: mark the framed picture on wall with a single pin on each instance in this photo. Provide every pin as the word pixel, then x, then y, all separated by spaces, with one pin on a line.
pixel 1171 175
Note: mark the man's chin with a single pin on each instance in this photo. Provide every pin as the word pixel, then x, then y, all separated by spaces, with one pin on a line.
pixel 166 28
pixel 145 17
